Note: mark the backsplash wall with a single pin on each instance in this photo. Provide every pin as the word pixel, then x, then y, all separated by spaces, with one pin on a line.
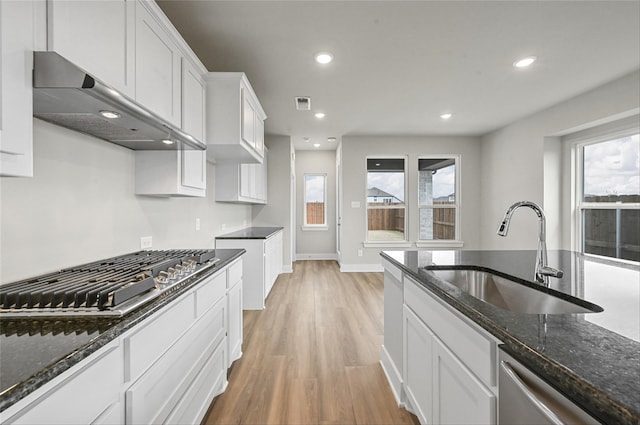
pixel 80 207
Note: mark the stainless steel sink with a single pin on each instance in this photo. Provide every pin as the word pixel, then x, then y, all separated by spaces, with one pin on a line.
pixel 512 295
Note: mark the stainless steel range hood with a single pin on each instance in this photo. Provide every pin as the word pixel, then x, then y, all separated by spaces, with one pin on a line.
pixel 66 95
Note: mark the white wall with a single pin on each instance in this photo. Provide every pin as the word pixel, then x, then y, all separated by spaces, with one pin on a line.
pixel 277 212
pixel 355 150
pixel 316 244
pixel 80 207
pixel 513 162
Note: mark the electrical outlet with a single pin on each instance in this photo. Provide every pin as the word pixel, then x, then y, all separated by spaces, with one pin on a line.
pixel 146 242
pixel 197 224
pixel 359 253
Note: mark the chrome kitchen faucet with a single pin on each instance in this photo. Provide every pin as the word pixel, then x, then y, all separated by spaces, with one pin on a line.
pixel 542 270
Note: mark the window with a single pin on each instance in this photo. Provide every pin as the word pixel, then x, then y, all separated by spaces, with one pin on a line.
pixel 315 200
pixel 386 219
pixel 437 198
pixel 609 197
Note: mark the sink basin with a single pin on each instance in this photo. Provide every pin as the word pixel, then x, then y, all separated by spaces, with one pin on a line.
pixel 511 295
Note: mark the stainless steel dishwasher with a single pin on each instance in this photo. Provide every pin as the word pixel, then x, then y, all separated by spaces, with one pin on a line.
pixel 524 398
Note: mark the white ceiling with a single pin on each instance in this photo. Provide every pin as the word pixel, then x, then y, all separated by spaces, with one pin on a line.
pixel 400 64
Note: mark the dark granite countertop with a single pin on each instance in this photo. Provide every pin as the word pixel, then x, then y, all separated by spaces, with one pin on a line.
pixel 34 351
pixel 592 358
pixel 252 233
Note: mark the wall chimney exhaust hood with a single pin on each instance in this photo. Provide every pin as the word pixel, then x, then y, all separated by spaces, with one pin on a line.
pixel 65 95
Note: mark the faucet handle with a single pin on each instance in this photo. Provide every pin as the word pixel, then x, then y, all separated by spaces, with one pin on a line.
pixel 550 271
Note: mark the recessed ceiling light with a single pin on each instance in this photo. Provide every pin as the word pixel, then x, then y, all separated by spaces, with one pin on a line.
pixel 316 145
pixel 446 116
pixel 167 141
pixel 378 164
pixel 331 139
pixel 306 139
pixel 110 114
pixel 320 115
pixel 324 57
pixel 524 62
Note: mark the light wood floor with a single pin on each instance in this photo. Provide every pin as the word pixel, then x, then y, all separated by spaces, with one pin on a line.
pixel 312 356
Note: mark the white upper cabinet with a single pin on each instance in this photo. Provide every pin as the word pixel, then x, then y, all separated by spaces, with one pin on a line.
pixel 235 119
pixel 20 22
pixel 242 183
pixel 158 66
pixel 95 36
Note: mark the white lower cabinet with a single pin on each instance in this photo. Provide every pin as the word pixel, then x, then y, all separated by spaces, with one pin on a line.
pixel 87 394
pixel 448 366
pixel 458 396
pixel 234 311
pixel 418 371
pixel 262 266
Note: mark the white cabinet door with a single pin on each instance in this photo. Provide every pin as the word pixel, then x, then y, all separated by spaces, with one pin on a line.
pixel 259 136
pixel 158 63
pixel 95 35
pixel 248 119
pixel 417 366
pixel 234 324
pixel 459 397
pixel 194 168
pixel 17 41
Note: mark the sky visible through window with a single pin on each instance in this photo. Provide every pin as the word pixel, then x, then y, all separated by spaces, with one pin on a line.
pixel 314 187
pixel 613 167
pixel 443 182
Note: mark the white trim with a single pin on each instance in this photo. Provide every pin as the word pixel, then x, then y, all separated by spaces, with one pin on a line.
pixel 394 377
pixel 287 269
pixel 439 244
pixel 314 228
pixel 361 268
pixel 387 244
pixel 319 256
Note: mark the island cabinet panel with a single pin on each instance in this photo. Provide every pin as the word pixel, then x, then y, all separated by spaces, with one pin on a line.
pixel 418 370
pixel 94 36
pixel 392 349
pixel 459 397
pixel 88 393
pixel 449 367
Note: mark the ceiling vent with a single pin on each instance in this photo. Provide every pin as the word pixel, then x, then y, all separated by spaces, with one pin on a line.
pixel 303 103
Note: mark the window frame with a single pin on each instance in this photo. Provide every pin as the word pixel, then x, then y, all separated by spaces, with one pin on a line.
pixel 306 225
pixel 456 241
pixel 579 205
pixel 382 243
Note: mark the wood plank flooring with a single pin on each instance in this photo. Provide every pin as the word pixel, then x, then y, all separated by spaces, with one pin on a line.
pixel 312 356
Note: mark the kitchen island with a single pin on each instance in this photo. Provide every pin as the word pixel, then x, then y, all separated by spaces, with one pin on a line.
pixel 124 358
pixel 584 356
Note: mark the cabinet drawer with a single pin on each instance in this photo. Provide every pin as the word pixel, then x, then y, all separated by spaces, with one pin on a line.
pixel 475 350
pixel 84 397
pixel 235 273
pixel 210 292
pixel 148 343
pixel 210 383
pixel 153 397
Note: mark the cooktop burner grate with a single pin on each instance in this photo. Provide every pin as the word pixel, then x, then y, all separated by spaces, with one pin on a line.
pixel 104 284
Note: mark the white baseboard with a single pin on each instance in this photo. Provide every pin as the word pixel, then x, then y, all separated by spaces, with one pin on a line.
pixel 302 257
pixel 361 268
pixel 394 377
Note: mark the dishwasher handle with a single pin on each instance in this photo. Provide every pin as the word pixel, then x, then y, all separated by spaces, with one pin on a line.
pixel 535 401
